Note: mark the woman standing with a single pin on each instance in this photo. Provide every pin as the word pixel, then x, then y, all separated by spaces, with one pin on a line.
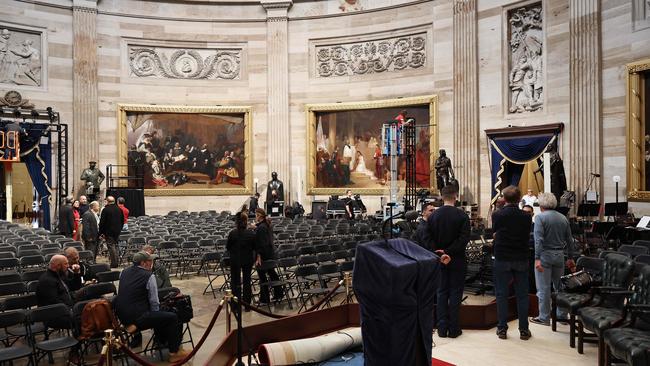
pixel 77 217
pixel 265 251
pixel 240 245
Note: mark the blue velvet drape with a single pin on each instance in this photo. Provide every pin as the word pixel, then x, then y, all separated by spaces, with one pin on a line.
pixel 38 159
pixel 509 154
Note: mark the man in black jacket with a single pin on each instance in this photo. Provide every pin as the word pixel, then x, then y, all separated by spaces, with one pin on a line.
pixel 241 246
pixel 66 219
pixel 449 234
pixel 51 287
pixel 138 307
pixel 110 227
pixel 511 260
pixel 90 228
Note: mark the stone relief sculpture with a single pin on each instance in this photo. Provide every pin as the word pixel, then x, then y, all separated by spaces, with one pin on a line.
pixel 20 58
pixel 174 63
pixel 350 5
pixel 373 56
pixel 525 76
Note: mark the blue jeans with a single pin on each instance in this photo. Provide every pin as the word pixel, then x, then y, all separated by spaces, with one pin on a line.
pixel 450 294
pixel 504 272
pixel 553 264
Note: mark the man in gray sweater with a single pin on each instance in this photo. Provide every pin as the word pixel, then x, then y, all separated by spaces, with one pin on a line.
pixel 552 234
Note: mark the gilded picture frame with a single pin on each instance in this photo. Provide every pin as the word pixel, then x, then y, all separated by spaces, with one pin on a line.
pixel 239 114
pixel 313 110
pixel 638 188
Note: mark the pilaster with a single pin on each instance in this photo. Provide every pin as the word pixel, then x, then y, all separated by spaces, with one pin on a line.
pixel 466 125
pixel 585 111
pixel 84 114
pixel 279 138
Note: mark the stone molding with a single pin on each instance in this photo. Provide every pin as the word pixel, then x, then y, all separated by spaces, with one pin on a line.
pixel 371 54
pixel 185 63
pixel 640 14
pixel 23 56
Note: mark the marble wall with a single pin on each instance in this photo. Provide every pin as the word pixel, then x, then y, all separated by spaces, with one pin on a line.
pixel 466 66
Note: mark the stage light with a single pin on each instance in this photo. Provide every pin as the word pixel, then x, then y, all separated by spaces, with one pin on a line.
pixel 50 114
pixel 34 115
pixel 616 178
pixel 17 113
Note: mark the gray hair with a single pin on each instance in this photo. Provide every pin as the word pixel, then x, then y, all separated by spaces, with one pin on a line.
pixel 547 201
pixel 94 204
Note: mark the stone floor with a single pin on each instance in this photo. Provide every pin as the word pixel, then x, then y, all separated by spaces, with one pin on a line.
pixel 473 347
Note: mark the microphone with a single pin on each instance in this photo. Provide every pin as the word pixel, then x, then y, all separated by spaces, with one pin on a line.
pixel 595 175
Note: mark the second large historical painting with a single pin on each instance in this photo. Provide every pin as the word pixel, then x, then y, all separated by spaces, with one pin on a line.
pixel 188 150
pixel 345 144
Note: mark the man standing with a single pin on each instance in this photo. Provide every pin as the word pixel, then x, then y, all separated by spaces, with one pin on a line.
pixel 90 228
pixel 552 237
pixel 511 252
pixel 137 305
pixel 421 235
pixel 83 205
pixel 110 227
pixel 66 219
pixel 449 234
pixel 125 212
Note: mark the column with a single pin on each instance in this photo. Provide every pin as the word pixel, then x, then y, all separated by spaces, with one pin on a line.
pixel 84 106
pixel 279 138
pixel 466 126
pixel 585 127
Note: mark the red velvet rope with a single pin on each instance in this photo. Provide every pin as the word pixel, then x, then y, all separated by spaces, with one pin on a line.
pixel 144 362
pixel 278 316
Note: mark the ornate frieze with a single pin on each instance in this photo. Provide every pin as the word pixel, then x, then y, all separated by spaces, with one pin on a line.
pixel 372 56
pixel 525 59
pixel 184 63
pixel 21 57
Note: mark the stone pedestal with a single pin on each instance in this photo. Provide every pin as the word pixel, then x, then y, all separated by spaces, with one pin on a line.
pixel 279 138
pixel 85 145
pixel 466 126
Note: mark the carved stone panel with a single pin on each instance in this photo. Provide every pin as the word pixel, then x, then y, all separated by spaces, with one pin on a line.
pixel 525 59
pixel 21 56
pixel 371 56
pixel 184 63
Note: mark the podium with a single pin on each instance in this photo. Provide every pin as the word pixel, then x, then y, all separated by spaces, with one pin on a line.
pixel 275 209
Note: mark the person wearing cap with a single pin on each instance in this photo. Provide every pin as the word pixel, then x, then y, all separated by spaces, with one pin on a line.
pixel 138 307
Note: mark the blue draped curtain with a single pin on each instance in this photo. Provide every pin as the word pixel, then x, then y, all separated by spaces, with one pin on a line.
pixel 38 159
pixel 509 154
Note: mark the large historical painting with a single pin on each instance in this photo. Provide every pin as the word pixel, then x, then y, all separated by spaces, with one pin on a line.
pixel 525 59
pixel 188 150
pixel 345 145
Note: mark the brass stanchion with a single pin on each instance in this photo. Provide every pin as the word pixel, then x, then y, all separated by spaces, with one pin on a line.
pixel 107 349
pixel 228 298
pixel 347 278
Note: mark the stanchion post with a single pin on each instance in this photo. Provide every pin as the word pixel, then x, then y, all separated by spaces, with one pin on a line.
pixel 228 298
pixel 107 350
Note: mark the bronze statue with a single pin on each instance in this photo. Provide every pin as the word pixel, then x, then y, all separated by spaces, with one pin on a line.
pixel 275 189
pixel 444 171
pixel 93 178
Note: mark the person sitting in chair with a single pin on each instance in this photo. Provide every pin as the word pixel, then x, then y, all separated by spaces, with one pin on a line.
pixel 137 306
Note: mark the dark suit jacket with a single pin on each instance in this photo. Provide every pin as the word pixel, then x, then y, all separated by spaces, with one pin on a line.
pixel 241 245
pixel 512 233
pixel 90 229
pixel 111 221
pixel 51 290
pixel 66 220
pixel 264 241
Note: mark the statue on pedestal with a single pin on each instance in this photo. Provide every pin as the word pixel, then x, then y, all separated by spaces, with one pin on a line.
pixel 444 171
pixel 275 189
pixel 93 178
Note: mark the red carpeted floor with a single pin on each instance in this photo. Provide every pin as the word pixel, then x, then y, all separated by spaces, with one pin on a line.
pixel 437 362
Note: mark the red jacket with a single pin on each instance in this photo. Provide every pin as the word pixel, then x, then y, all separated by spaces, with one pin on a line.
pixel 125 211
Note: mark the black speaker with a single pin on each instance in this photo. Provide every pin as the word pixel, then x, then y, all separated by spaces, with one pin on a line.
pixel 319 210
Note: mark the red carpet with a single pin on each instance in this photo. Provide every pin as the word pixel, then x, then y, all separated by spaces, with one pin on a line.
pixel 437 362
